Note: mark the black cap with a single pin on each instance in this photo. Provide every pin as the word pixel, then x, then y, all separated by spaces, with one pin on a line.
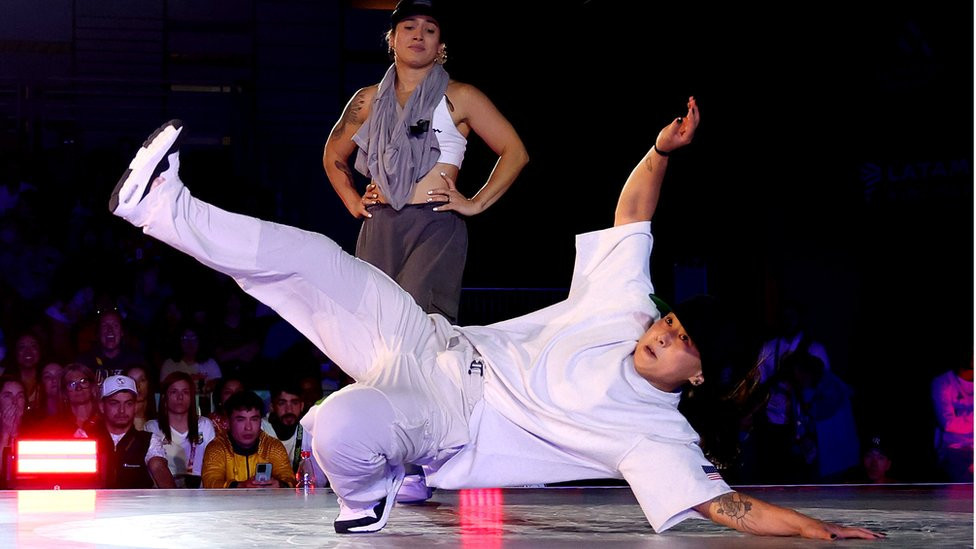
pixel 709 325
pixel 409 8
pixel 875 442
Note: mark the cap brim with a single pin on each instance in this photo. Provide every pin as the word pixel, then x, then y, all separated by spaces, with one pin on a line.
pixel 415 11
pixel 661 305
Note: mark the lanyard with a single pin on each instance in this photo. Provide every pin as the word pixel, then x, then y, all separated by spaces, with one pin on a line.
pixel 193 450
pixel 189 459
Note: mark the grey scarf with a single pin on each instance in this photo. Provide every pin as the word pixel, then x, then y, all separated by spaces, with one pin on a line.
pixel 397 147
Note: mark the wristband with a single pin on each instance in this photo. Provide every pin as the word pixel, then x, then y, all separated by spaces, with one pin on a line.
pixel 659 151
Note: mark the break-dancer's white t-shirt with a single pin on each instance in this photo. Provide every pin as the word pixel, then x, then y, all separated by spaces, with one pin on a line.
pixel 562 400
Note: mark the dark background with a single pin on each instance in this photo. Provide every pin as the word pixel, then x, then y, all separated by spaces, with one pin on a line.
pixel 833 166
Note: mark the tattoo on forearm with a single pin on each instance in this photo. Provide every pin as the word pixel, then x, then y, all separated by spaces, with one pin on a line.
pixel 647 164
pixel 344 168
pixel 352 114
pixel 733 506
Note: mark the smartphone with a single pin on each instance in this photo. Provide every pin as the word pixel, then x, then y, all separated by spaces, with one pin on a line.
pixel 263 473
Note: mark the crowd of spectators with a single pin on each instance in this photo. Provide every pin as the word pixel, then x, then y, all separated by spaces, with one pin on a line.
pixel 85 301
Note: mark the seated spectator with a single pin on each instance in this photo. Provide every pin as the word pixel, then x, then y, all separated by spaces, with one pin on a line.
pixel 79 416
pixel 824 417
pixel 791 337
pixel 876 461
pixel 287 408
pixel 231 460
pixel 185 435
pixel 952 396
pixel 805 431
pixel 27 356
pixel 193 360
pixel 134 459
pixel 768 434
pixel 225 387
pixel 13 404
pixel 110 356
pixel 145 397
pixel 49 401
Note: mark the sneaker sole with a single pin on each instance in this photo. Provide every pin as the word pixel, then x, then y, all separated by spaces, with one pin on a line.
pixel 389 501
pixel 149 162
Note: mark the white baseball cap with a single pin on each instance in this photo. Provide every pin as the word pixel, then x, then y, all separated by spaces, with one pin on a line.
pixel 114 384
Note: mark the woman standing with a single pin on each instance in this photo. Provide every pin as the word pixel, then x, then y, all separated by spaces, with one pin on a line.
pixel 411 132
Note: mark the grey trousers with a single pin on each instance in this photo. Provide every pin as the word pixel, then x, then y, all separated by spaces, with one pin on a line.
pixel 422 250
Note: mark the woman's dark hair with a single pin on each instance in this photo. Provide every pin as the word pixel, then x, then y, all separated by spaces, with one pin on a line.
pixel 192 427
pixel 12 366
pixel 7 378
pixel 290 385
pixel 218 406
pixel 42 397
pixel 716 408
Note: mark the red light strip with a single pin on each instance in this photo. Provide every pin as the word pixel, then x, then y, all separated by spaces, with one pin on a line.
pixel 56 456
pixel 482 514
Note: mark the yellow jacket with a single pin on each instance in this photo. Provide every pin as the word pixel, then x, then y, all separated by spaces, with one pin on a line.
pixel 222 466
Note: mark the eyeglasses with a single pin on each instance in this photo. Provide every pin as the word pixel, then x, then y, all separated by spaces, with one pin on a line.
pixel 83 383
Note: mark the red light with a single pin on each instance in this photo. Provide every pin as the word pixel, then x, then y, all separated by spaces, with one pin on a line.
pixel 56 456
pixel 482 518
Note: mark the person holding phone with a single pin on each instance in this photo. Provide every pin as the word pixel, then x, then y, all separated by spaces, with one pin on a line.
pixel 263 474
pixel 244 456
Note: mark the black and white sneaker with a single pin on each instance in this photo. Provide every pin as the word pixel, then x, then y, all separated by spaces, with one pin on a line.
pixel 371 518
pixel 159 154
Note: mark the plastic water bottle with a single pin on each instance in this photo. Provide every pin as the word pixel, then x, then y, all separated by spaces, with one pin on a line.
pixel 305 475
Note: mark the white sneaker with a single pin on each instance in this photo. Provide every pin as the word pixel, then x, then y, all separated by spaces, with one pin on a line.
pixel 353 519
pixel 159 156
pixel 414 490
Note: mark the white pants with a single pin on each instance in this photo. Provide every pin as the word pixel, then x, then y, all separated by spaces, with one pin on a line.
pixel 407 405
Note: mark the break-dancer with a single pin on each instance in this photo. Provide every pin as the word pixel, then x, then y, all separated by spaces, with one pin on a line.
pixel 586 388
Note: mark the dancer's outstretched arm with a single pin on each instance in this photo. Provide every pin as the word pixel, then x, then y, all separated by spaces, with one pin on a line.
pixel 748 514
pixel 640 194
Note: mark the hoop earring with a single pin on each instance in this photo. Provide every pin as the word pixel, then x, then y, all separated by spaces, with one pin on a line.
pixel 442 56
